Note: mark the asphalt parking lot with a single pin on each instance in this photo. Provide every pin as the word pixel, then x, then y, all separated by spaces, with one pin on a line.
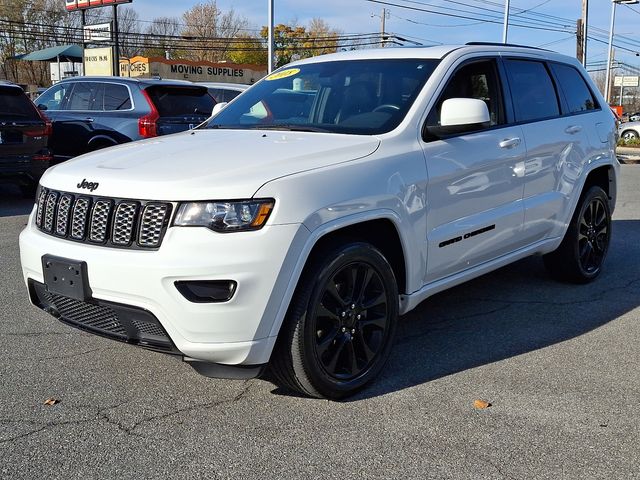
pixel 559 364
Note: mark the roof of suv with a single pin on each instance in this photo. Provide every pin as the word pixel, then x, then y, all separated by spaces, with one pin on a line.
pixel 436 52
pixel 142 81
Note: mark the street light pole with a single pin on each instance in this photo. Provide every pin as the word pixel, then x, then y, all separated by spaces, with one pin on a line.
pixel 607 85
pixel 506 21
pixel 270 37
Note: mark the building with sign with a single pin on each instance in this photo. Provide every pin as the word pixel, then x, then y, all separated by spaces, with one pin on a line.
pixel 193 71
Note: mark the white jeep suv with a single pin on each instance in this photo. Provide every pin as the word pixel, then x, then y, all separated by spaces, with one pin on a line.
pixel 339 192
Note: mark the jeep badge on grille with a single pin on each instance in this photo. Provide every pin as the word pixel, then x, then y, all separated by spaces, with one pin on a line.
pixel 91 186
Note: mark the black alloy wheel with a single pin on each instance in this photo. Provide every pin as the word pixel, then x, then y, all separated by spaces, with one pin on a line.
pixel 593 235
pixel 341 323
pixel 351 320
pixel 580 256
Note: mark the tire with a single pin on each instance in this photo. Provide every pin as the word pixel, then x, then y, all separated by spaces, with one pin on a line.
pixel 628 135
pixel 580 256
pixel 341 322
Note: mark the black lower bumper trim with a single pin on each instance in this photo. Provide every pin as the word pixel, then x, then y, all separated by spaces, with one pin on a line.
pixel 108 319
pixel 231 372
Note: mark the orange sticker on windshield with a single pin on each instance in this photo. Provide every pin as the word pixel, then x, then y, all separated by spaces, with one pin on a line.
pixel 283 74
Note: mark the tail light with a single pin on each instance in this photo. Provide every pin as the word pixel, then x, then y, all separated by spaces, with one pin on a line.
pixel 41 130
pixel 148 125
pixel 43 157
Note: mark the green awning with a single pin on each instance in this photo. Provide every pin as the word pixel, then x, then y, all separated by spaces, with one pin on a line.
pixel 66 53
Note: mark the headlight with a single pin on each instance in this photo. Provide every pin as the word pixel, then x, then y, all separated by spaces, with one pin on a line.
pixel 240 215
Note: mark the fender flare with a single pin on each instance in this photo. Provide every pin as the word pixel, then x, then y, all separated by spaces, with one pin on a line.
pixel 310 242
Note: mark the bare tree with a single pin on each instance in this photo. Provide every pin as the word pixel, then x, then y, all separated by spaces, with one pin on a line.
pixel 129 32
pixel 161 36
pixel 212 30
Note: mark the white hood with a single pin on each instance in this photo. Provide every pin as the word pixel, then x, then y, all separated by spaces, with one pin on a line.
pixel 204 164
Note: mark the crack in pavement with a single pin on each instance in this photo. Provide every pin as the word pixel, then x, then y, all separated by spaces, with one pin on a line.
pixel 62 357
pixel 102 415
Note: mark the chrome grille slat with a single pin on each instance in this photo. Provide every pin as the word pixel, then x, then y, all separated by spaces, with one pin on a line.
pixel 123 223
pixel 105 221
pixel 50 211
pixel 100 221
pixel 79 221
pixel 151 225
pixel 40 212
pixel 62 218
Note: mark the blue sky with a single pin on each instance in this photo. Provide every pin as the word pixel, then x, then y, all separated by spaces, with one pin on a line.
pixel 354 16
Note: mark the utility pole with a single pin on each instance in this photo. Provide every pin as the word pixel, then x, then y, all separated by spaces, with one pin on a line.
pixel 383 26
pixel 584 31
pixel 270 37
pixel 116 41
pixel 506 21
pixel 579 41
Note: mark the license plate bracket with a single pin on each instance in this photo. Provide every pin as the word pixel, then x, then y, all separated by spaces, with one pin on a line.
pixel 66 277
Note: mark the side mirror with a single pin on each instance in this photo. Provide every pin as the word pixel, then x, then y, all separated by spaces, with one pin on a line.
pixel 42 107
pixel 217 108
pixel 460 115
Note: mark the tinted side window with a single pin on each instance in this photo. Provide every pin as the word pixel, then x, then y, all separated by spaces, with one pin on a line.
pixel 576 91
pixel 83 95
pixel 534 96
pixel 477 80
pixel 55 97
pixel 116 97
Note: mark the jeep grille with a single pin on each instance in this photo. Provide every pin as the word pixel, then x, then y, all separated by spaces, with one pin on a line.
pixel 102 221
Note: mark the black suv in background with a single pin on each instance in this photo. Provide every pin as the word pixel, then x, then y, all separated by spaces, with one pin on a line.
pixel 90 113
pixel 24 133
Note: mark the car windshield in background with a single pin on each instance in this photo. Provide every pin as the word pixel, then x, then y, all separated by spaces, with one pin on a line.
pixel 365 97
pixel 15 104
pixel 178 101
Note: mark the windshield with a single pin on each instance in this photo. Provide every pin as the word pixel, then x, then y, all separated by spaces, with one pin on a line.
pixel 365 97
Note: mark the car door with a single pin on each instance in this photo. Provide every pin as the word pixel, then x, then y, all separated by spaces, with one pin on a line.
pixel 557 144
pixel 70 107
pixel 476 182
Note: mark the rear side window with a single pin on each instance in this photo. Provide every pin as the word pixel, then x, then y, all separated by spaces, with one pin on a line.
pixel 116 97
pixel 576 92
pixel 15 104
pixel 83 95
pixel 172 101
pixel 223 95
pixel 533 92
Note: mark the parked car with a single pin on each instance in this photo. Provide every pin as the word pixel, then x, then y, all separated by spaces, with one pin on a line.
pixel 629 131
pixel 90 113
pixel 294 227
pixel 634 117
pixel 224 92
pixel 24 133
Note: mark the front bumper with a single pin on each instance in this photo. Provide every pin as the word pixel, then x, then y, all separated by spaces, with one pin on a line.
pixel 236 332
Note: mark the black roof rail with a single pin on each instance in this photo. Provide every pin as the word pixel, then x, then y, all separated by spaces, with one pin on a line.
pixel 498 44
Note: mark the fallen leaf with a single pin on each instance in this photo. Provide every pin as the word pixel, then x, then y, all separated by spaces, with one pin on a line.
pixel 50 402
pixel 481 404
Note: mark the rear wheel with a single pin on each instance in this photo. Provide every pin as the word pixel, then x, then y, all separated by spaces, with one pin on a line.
pixel 340 326
pixel 580 256
pixel 629 135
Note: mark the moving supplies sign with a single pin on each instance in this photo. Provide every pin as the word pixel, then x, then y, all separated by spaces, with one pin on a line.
pixel 192 71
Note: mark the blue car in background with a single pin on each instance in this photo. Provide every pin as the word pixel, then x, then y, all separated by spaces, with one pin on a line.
pixel 90 113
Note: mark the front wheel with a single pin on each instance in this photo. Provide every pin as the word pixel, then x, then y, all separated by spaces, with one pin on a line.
pixel 341 323
pixel 580 256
